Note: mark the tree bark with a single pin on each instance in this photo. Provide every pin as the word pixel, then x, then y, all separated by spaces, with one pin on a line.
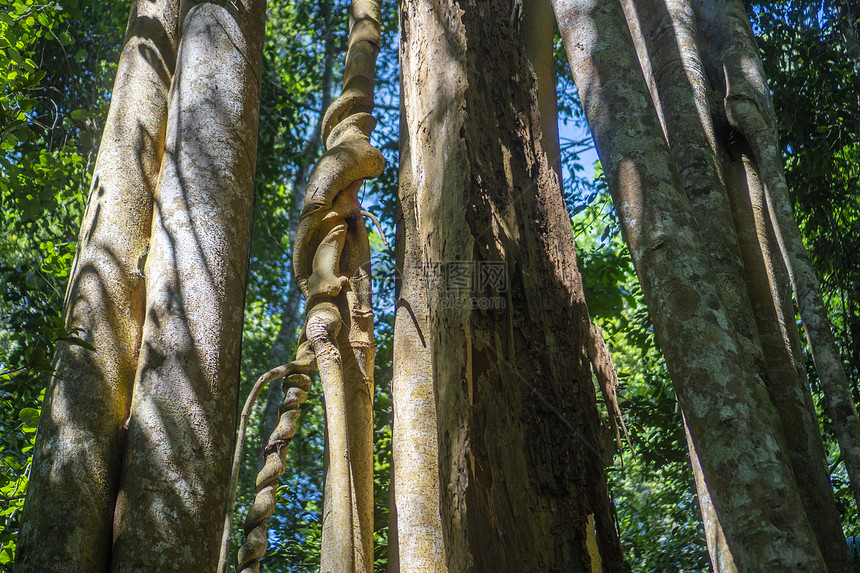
pixel 739 452
pixel 176 472
pixel 665 34
pixel 730 44
pixel 538 41
pixel 415 467
pixel 719 551
pixel 787 382
pixel 521 474
pixel 68 516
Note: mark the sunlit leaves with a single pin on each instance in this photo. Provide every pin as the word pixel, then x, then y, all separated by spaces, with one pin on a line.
pixel 23 25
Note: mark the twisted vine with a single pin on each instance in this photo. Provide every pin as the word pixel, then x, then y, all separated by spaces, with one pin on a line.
pixel 331 262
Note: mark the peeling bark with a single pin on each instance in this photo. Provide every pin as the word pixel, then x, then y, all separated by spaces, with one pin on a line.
pixel 520 468
pixel 175 474
pixel 68 516
pixel 739 452
pixel 607 379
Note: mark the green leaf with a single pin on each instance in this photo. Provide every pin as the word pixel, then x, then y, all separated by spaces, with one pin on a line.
pixel 16 55
pixel 81 56
pixel 28 414
pixel 6 556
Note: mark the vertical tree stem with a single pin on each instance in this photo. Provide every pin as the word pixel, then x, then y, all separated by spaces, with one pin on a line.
pixel 176 470
pixel 68 517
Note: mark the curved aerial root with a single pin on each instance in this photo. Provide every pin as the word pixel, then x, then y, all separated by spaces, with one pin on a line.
pixel 296 385
pixel 331 260
pixel 331 195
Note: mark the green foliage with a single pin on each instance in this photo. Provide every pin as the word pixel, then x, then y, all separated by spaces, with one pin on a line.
pixel 653 487
pixel 14 471
pixel 57 59
pixel 24 28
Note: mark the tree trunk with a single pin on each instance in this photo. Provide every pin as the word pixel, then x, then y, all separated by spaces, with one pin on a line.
pixel 538 41
pixel 787 382
pixel 415 468
pixel 731 46
pixel 180 438
pixel 665 33
pixel 715 537
pixel 68 516
pixel 521 474
pixel 750 481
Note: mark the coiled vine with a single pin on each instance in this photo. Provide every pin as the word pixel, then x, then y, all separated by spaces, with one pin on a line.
pixel 331 262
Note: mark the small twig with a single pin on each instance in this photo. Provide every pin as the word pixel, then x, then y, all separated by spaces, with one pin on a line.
pixel 376 222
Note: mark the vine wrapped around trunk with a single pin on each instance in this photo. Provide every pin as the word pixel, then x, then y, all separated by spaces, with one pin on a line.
pixel 331 262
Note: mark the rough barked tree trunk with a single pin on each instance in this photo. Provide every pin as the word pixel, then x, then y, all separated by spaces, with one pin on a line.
pixel 521 472
pixel 68 516
pixel 414 444
pixel 180 438
pixel 728 41
pixel 731 421
pixel 666 38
